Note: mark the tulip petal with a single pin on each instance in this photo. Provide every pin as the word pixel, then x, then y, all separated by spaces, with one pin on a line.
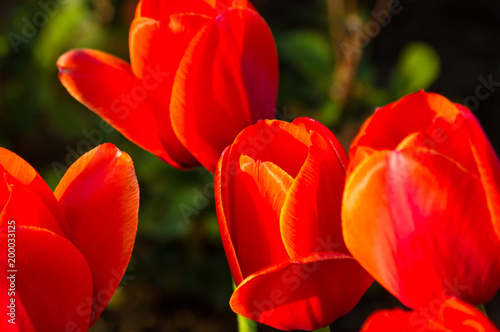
pixel 259 192
pixel 224 191
pixel 397 222
pixel 17 197
pixel 53 289
pixel 272 140
pixel 487 163
pixel 19 169
pixel 99 195
pixel 304 294
pixel 310 219
pixel 106 85
pixel 313 125
pixel 446 133
pixel 156 48
pixel 162 10
pixel 235 85
pixel 390 124
pixel 450 315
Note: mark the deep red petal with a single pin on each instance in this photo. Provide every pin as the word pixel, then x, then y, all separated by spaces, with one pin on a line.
pixel 156 48
pixel 99 195
pixel 304 294
pixel 226 81
pixel 272 140
pixel 19 197
pixel 389 125
pixel 107 86
pixel 224 192
pixel 310 219
pixel 162 10
pixel 313 125
pixel 254 211
pixel 19 169
pixel 487 164
pixel 446 133
pixel 408 222
pixel 267 141
pixel 446 316
pixel 53 286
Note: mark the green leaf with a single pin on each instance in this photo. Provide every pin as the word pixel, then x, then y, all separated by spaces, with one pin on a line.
pixel 418 67
pixel 308 52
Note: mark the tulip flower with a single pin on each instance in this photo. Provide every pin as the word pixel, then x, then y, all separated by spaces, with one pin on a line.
pixel 421 205
pixel 200 72
pixel 64 253
pixel 450 315
pixel 278 191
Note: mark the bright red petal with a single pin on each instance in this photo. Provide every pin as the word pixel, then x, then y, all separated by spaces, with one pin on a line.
pixel 100 198
pixel 389 125
pixel 337 148
pixel 272 140
pixel 408 222
pixel 156 49
pixel 224 192
pixel 446 316
pixel 487 165
pixel 226 81
pixel 310 220
pixel 19 169
pixel 17 198
pixel 161 10
pixel 53 286
pixel 303 294
pixel 107 86
pixel 253 211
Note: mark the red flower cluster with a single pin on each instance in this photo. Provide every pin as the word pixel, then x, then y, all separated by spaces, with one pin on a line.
pixel 419 212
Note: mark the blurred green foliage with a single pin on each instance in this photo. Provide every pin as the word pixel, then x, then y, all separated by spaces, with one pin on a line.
pixel 178 279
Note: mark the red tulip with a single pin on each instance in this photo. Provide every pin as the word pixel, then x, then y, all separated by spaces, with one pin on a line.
pixel 450 315
pixel 64 253
pixel 278 191
pixel 421 206
pixel 200 72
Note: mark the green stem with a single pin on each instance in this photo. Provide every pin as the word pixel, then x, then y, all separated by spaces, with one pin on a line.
pixel 245 324
pixel 324 329
pixel 482 309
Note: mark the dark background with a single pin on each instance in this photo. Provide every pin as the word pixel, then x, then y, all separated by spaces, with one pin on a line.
pixel 178 279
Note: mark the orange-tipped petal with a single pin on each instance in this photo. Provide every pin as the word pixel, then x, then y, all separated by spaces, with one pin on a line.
pixel 99 195
pixel 446 316
pixel 52 283
pixel 19 169
pixel 418 222
pixel 390 124
pixel 235 83
pixel 306 294
pixel 106 85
